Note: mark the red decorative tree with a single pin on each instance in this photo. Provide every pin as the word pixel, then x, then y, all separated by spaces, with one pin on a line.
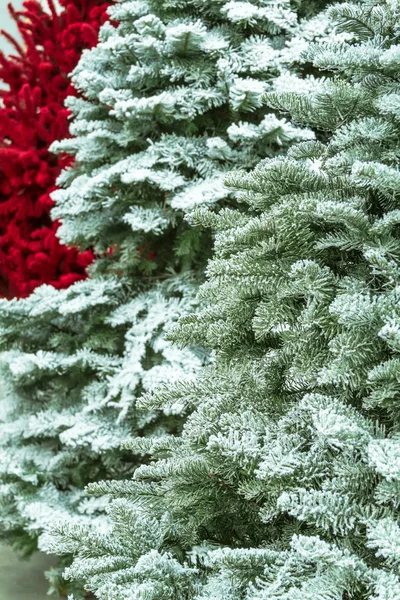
pixel 34 84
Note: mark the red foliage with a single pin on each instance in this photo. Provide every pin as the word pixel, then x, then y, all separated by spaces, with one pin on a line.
pixel 33 88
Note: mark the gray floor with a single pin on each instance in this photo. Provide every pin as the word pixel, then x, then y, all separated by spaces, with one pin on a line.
pixel 23 580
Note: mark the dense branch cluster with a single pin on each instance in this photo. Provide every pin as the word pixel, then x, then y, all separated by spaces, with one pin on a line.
pixel 34 85
pixel 227 379
pixel 284 483
pixel 169 102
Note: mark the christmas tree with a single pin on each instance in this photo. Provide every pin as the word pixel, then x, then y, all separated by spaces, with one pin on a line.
pixel 34 85
pixel 284 484
pixel 170 102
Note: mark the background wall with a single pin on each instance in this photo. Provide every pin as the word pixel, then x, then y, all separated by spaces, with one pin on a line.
pixel 23 580
pixel 7 23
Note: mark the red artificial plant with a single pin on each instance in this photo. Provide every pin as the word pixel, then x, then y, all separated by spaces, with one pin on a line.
pixel 33 85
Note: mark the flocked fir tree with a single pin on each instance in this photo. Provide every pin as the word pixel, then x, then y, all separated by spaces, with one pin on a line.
pixel 284 484
pixel 170 102
pixel 33 86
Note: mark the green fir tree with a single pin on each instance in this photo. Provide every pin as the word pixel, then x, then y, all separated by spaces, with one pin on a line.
pixel 170 102
pixel 285 482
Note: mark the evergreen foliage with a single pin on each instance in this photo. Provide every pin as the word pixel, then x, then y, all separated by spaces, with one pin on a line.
pixel 284 484
pixel 34 84
pixel 170 102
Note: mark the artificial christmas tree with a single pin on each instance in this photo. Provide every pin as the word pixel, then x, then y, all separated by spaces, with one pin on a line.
pixel 169 104
pixel 34 85
pixel 284 484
